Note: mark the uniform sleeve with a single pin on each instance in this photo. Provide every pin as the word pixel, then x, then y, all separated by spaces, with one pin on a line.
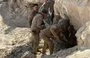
pixel 39 22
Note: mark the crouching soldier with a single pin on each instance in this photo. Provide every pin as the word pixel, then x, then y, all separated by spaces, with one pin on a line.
pixel 54 32
pixel 37 25
pixel 64 34
pixel 61 33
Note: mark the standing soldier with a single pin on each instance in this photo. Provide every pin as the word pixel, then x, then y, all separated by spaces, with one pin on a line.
pixel 37 25
pixel 46 35
pixel 33 12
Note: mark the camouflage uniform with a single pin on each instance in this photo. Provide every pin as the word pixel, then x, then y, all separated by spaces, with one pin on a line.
pixel 64 34
pixel 37 25
pixel 47 36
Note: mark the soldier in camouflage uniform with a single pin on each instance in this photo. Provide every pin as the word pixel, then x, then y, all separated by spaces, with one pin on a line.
pixel 37 25
pixel 62 32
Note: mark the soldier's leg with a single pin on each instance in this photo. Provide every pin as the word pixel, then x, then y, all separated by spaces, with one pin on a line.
pixel 50 44
pixel 45 44
pixel 45 35
pixel 35 41
pixel 44 48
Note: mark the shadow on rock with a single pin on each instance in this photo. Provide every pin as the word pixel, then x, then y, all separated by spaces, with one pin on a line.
pixel 23 51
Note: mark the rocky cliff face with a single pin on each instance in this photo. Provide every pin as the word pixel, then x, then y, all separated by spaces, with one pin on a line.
pixel 83 36
pixel 15 19
pixel 15 34
pixel 78 11
pixel 14 42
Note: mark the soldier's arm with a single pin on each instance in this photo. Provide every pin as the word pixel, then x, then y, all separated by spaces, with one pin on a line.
pixel 53 30
pixel 30 18
pixel 31 15
pixel 39 23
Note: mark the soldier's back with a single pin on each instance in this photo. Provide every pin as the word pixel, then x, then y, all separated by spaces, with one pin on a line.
pixel 38 17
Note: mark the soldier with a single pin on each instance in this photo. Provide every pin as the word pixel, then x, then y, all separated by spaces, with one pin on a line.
pixel 52 31
pixel 61 26
pixel 61 33
pixel 46 35
pixel 64 33
pixel 37 25
pixel 32 13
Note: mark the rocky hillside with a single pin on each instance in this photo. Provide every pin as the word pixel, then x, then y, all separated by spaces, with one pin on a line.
pixel 15 34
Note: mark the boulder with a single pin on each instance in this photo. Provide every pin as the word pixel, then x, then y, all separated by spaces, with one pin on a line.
pixel 83 36
pixel 78 11
pixel 80 54
pixel 15 36
pixel 15 42
pixel 62 53
pixel 34 1
pixel 1 21
pixel 13 19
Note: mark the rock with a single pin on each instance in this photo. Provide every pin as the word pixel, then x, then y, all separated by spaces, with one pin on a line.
pixel 1 21
pixel 80 54
pixel 13 19
pixel 15 43
pixel 78 11
pixel 15 36
pixel 62 53
pixel 34 1
pixel 83 36
pixel 23 51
